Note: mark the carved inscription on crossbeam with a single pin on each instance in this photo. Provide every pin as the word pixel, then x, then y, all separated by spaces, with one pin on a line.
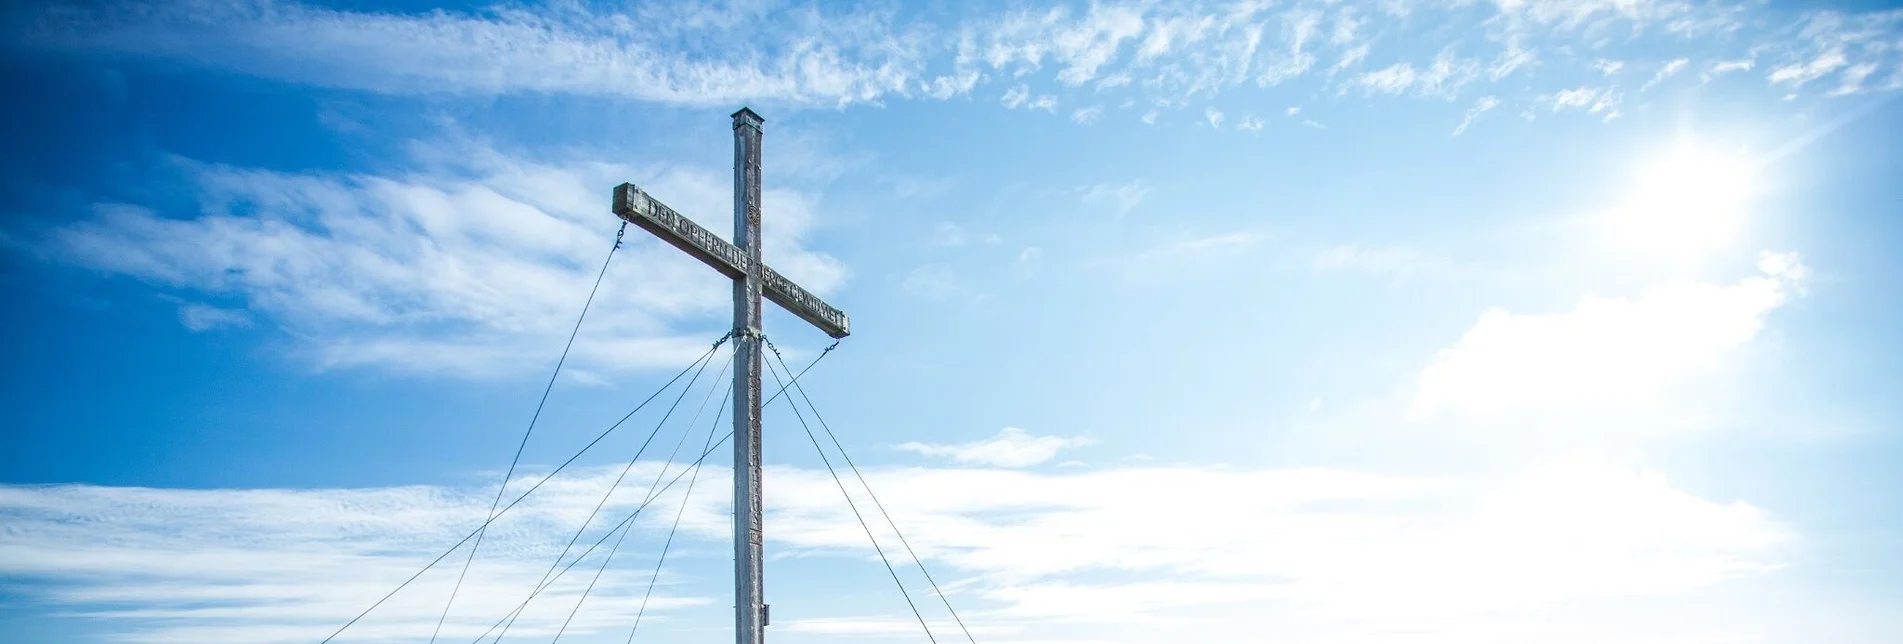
pixel 641 209
pixel 804 304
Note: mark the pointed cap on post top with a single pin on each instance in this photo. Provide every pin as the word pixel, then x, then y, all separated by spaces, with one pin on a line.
pixel 746 116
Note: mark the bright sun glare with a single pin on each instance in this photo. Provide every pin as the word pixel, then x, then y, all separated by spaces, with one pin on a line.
pixel 1689 200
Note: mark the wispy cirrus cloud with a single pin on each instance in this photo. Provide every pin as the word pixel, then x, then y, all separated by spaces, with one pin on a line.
pixel 205 317
pixel 802 55
pixel 789 55
pixel 1591 100
pixel 1122 196
pixel 466 269
pixel 1479 107
pixel 1020 97
pixel 1668 70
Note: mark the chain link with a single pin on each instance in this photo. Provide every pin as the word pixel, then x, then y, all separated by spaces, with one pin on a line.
pixel 776 350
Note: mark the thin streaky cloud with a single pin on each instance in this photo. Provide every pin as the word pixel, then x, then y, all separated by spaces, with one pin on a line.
pixel 1012 447
pixel 462 272
pixel 1479 107
pixel 795 55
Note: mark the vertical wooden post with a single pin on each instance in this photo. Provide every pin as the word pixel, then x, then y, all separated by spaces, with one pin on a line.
pixel 749 622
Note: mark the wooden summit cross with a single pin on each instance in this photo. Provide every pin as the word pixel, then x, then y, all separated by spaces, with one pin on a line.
pixel 752 278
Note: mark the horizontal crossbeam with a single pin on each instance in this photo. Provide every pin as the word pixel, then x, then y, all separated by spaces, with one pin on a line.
pixel 641 209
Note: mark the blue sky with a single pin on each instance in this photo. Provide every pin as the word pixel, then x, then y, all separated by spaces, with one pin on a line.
pixel 1327 322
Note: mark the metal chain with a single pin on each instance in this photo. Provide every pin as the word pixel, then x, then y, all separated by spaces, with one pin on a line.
pixel 776 350
pixel 796 377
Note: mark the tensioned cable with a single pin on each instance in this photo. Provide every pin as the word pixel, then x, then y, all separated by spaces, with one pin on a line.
pixel 604 537
pixel 677 525
pixel 517 459
pixel 855 509
pixel 538 484
pixel 624 474
pixel 809 367
pixel 703 456
pixel 657 482
pixel 875 498
pixel 596 579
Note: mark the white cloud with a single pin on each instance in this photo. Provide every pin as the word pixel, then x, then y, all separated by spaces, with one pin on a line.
pixel 1607 353
pixel 1020 552
pixel 799 55
pixel 1573 98
pixel 1086 115
pixel 1249 124
pixel 471 268
pixel 1092 42
pixel 1669 70
pixel 785 55
pixel 1123 196
pixel 1853 78
pixel 1723 67
pixel 1012 447
pixel 1604 102
pixel 204 317
pixel 1594 15
pixel 1447 75
pixel 1510 60
pixel 891 626
pixel 1016 97
pixel 959 84
pixel 1298 28
pixel 1349 59
pixel 1480 107
pixel 278 565
pixel 1607 105
pixel 1797 74
pixel 1213 117
pixel 1852 45
pixel 1347 22
pixel 1149 118
pixel 1441 78
pixel 1393 79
